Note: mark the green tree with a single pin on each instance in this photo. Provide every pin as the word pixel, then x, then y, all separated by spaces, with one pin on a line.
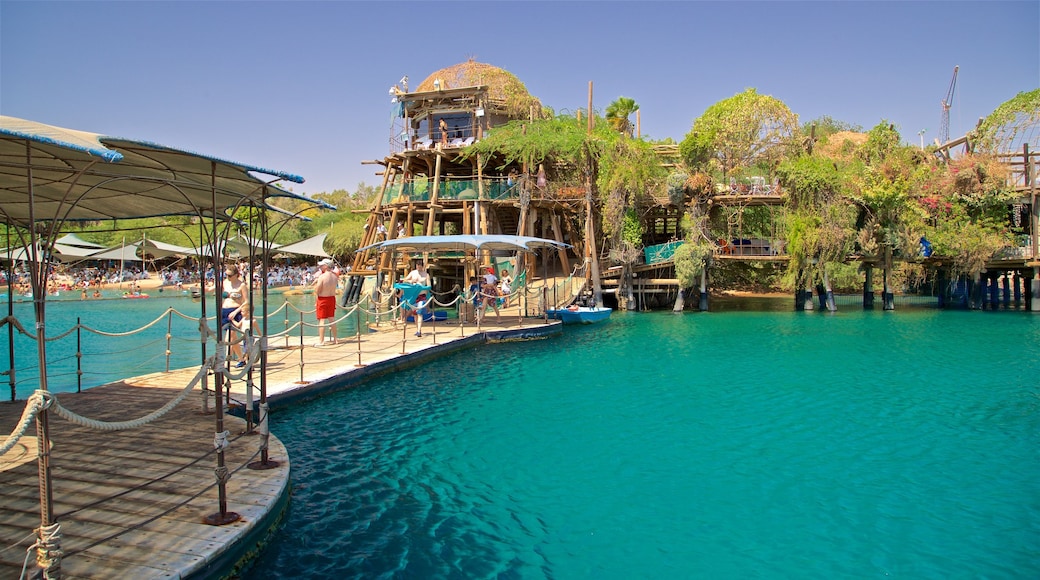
pixel 819 223
pixel 742 131
pixel 618 113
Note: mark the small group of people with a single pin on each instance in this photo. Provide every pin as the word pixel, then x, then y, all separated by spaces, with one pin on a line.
pixel 487 290
pixel 413 293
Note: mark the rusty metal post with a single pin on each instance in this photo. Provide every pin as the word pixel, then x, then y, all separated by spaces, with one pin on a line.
pixel 301 348
pixel 79 356
pixel 169 335
pixel 357 316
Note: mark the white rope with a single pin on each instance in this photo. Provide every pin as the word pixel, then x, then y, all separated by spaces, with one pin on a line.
pixel 49 553
pixel 252 355
pixel 220 441
pixel 18 326
pixel 190 316
pixel 302 311
pixel 127 333
pixel 265 429
pixel 205 332
pixel 33 406
pixel 133 423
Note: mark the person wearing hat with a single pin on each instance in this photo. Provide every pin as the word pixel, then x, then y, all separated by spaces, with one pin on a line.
pixel 325 289
pixel 490 292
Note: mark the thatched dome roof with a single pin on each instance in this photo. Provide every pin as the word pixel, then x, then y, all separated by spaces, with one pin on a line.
pixel 504 88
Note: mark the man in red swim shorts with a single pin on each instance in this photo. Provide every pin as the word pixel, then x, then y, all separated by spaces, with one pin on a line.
pixel 325 290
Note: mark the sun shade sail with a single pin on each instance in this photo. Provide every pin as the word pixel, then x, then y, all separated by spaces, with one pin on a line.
pixel 310 247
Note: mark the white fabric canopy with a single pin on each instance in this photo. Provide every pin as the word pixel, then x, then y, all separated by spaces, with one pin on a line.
pixel 74 240
pixel 314 246
pixel 127 253
pixel 164 250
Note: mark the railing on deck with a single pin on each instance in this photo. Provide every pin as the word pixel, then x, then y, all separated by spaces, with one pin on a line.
pixel 82 356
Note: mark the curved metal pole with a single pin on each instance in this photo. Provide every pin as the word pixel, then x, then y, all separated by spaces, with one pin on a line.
pixel 38 281
pixel 223 516
pixel 10 314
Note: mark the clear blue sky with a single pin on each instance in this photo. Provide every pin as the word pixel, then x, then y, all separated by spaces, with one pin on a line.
pixel 302 86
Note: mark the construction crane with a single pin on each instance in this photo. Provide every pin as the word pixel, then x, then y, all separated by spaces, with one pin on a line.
pixel 944 127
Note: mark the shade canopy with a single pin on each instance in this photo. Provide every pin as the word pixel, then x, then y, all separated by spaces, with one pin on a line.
pixel 314 246
pixel 59 252
pixel 164 250
pixel 461 243
pixel 76 175
pixel 242 244
pixel 127 253
pixel 74 240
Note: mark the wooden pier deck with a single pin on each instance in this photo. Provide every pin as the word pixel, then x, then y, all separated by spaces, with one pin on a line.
pixel 131 503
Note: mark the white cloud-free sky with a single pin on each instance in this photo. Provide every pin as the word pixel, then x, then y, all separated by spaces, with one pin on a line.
pixel 302 86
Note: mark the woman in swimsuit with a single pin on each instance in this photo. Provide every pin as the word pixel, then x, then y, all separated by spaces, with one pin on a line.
pixel 231 308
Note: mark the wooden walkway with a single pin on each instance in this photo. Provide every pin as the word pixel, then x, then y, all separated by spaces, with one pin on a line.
pixel 131 503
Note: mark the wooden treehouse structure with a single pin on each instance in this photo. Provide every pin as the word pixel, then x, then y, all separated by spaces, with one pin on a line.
pixel 430 188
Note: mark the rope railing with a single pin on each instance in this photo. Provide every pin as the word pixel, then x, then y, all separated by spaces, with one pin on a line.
pixel 33 406
pixel 174 346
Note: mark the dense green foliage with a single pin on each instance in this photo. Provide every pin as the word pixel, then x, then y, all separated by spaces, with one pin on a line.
pixel 1015 121
pixel 744 130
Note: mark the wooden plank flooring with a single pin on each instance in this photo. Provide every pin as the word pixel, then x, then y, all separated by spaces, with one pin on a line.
pixel 131 503
pixel 124 499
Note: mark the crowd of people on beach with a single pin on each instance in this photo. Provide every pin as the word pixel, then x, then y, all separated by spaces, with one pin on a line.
pixel 89 281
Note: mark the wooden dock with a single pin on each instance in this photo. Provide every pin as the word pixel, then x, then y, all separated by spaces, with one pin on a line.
pixel 131 504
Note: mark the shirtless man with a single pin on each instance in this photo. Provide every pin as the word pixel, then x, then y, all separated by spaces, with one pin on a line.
pixel 325 289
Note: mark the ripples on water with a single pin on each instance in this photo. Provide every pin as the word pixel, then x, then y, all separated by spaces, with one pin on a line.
pixel 741 444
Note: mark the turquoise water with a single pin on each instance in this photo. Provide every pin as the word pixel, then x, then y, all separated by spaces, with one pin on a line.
pixel 107 358
pixel 713 445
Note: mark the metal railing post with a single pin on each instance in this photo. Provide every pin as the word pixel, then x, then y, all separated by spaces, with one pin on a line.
pixel 301 348
pixel 169 336
pixel 357 314
pixel 79 357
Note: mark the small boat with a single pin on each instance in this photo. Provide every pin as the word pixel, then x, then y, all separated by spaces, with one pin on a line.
pixel 580 314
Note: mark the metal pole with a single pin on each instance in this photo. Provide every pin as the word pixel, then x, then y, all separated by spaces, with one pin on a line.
pixel 48 551
pixel 79 357
pixel 357 316
pixel 202 303
pixel 301 348
pixel 10 316
pixel 223 516
pixel 169 335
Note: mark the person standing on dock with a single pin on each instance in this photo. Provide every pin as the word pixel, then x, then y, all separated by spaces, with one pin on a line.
pixel 233 298
pixel 490 292
pixel 325 289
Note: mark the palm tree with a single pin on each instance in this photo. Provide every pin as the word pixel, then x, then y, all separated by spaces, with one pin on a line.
pixel 618 113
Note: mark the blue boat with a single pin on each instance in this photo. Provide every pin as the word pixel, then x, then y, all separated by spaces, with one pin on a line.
pixel 581 314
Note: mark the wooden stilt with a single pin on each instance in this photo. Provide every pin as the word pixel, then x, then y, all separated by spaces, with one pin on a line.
pixel 704 290
pixel 868 287
pixel 1006 290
